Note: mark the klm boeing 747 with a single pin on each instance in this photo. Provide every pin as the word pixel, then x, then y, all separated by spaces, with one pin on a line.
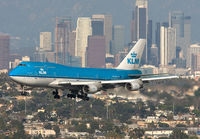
pixel 82 81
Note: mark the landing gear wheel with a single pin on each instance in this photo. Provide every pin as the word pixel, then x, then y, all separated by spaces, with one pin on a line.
pixel 56 95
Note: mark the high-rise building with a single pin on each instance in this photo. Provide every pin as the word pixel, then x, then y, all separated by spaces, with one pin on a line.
pixel 4 51
pixel 118 41
pixel 107 28
pixel 97 27
pixel 83 30
pixel 157 39
pixel 154 55
pixel 140 24
pixel 133 28
pixel 45 41
pixel 149 39
pixel 195 56
pixel 182 24
pixel 171 44
pixel 141 11
pixel 96 52
pixel 62 41
pixel 167 45
pixel 72 38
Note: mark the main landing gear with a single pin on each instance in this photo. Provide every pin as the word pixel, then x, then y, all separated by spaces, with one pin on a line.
pixel 56 95
pixel 77 94
pixel 73 94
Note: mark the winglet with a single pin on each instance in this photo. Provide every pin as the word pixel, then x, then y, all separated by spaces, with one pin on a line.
pixel 132 60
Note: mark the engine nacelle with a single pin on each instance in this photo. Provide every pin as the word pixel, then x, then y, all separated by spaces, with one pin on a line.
pixel 91 88
pixel 134 86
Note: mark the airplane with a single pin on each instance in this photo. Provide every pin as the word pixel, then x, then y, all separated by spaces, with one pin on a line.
pixel 83 81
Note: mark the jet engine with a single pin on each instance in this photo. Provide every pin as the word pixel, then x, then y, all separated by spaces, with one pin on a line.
pixel 134 86
pixel 91 88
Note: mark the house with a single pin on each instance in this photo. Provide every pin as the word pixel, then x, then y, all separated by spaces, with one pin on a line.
pixel 43 132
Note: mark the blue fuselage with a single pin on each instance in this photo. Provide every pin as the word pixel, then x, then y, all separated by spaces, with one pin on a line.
pixel 52 70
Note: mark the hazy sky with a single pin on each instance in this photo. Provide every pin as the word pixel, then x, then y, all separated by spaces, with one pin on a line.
pixel 26 18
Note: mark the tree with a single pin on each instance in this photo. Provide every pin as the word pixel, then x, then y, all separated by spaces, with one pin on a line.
pixel 178 134
pixel 2 124
pixel 136 133
pixel 180 125
pixel 139 132
pixel 48 126
pixel 163 124
pixel 57 130
pixel 107 126
pixel 41 116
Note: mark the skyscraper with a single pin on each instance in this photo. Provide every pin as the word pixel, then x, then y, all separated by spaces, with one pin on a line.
pixel 133 28
pixel 63 29
pixel 195 56
pixel 45 41
pixel 96 52
pixel 154 55
pixel 72 38
pixel 4 51
pixel 157 39
pixel 118 39
pixel 182 24
pixel 97 27
pixel 149 39
pixel 140 24
pixel 107 28
pixel 83 30
pixel 167 45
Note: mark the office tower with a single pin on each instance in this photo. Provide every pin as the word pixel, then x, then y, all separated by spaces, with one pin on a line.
pixel 96 52
pixel 118 39
pixel 167 45
pixel 62 41
pixel 42 56
pixel 157 39
pixel 171 44
pixel 195 65
pixel 133 28
pixel 195 56
pixel 154 55
pixel 45 41
pixel 4 51
pixel 72 38
pixel 182 24
pixel 141 24
pixel 83 30
pixel 141 12
pixel 97 27
pixel 107 28
pixel 149 39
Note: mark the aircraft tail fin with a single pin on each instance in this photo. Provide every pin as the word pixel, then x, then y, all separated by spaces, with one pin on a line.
pixel 132 60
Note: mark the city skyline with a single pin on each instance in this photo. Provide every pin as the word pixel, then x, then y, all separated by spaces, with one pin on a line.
pixel 142 26
pixel 43 19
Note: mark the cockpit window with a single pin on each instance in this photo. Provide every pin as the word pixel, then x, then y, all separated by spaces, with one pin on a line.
pixel 22 65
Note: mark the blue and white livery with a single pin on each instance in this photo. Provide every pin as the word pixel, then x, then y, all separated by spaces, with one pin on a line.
pixel 81 81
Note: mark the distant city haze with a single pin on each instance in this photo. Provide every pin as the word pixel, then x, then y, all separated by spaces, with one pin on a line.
pixel 25 19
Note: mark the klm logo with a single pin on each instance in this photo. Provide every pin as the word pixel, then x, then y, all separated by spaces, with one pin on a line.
pixel 133 59
pixel 42 71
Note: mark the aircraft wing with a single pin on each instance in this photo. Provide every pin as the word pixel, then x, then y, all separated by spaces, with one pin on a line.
pixel 80 83
pixel 157 78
